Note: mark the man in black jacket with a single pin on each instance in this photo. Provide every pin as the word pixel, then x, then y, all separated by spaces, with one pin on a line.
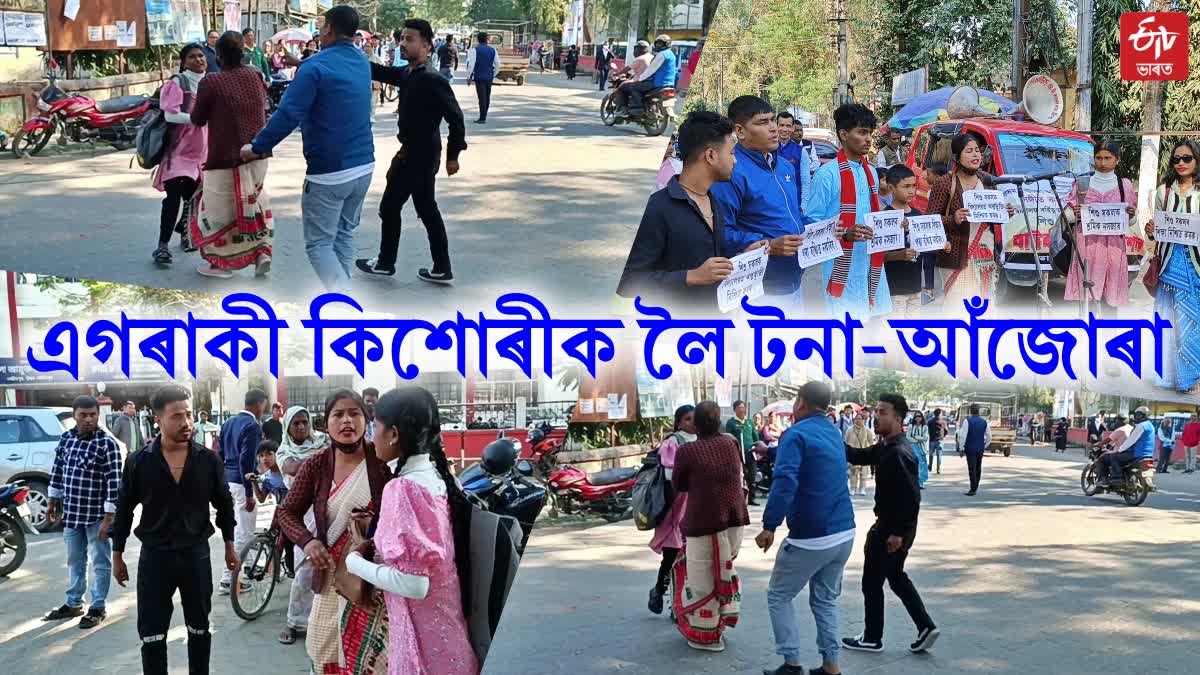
pixel 425 100
pixel 897 503
pixel 174 481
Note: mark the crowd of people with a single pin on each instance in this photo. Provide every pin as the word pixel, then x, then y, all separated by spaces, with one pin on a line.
pixel 382 568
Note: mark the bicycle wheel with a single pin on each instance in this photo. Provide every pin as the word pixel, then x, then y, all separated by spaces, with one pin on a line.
pixel 254 581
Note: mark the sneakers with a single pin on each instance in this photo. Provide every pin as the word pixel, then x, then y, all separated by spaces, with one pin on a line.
pixel 925 640
pixel 207 270
pixel 263 266
pixel 162 256
pixel 64 612
pixel 372 266
pixel 789 669
pixel 443 278
pixel 858 644
pixel 93 617
pixel 655 604
pixel 223 587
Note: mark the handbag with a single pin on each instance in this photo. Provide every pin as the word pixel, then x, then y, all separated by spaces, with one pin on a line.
pixel 1153 267
pixel 350 586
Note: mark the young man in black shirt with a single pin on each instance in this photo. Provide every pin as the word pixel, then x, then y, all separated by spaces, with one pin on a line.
pixel 897 504
pixel 174 481
pixel 447 58
pixel 425 100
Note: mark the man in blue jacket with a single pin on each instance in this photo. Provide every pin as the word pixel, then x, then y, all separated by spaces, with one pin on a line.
pixel 1139 444
pixel 330 100
pixel 759 201
pixel 239 439
pixel 797 155
pixel 809 490
pixel 661 73
pixel 483 65
pixel 973 438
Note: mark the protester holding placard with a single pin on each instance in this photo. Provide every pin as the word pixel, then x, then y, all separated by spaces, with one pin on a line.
pixel 909 272
pixel 1102 256
pixel 970 261
pixel 1177 294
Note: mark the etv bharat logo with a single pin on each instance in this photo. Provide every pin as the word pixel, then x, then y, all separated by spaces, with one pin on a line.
pixel 1154 46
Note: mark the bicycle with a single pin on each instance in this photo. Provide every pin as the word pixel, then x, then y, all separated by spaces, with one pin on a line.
pixel 263 559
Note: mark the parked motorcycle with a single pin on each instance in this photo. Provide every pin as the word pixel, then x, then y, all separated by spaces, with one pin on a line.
pixel 1137 479
pixel 544 451
pixel 764 460
pixel 658 109
pixel 608 493
pixel 275 92
pixel 505 487
pixel 80 119
pixel 14 525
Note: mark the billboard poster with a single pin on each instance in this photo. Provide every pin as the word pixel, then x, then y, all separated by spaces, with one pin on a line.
pixel 174 22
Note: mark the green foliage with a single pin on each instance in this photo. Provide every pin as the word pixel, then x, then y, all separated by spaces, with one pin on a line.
pixel 107 296
pixel 1179 105
pixel 599 435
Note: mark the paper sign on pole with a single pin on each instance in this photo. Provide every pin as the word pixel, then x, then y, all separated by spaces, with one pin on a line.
pixel 820 243
pixel 1105 219
pixel 927 233
pixel 887 230
pixel 746 280
pixel 1177 228
pixel 986 206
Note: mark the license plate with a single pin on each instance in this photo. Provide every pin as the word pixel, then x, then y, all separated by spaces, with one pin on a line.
pixel 23 511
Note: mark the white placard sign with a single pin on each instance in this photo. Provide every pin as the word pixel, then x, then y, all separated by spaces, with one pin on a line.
pixel 927 233
pixel 820 243
pixel 746 280
pixel 1177 228
pixel 986 206
pixel 887 230
pixel 1105 219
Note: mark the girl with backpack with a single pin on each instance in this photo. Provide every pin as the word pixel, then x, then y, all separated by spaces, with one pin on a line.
pixel 668 537
pixel 178 173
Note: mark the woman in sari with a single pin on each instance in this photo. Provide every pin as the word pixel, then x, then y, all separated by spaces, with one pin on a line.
pixel 707 588
pixel 231 222
pixel 339 484
pixel 300 442
pixel 418 557
pixel 1177 296
pixel 918 438
pixel 668 537
pixel 1103 255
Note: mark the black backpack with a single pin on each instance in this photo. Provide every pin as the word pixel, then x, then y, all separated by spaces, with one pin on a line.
pixel 152 139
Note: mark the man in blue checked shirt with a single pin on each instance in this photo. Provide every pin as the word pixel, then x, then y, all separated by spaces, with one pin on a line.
pixel 84 484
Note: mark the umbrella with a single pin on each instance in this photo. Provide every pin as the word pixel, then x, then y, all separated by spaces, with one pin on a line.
pixel 291 35
pixel 931 106
pixel 778 407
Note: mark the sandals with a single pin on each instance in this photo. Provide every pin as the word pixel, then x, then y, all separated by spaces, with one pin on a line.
pixel 289 635
pixel 162 256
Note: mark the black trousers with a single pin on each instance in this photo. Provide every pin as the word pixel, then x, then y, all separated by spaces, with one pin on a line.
pixel 975 468
pixel 179 190
pixel 880 566
pixel 664 569
pixel 1115 461
pixel 160 574
pixel 750 465
pixel 603 68
pixel 637 91
pixel 1164 458
pixel 483 90
pixel 414 177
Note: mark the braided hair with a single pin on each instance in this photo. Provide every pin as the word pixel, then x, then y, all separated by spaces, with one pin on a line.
pixel 413 412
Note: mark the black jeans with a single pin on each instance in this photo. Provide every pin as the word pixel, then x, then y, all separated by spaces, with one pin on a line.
pixel 160 574
pixel 483 89
pixel 664 569
pixel 750 464
pixel 637 92
pixel 414 177
pixel 1164 459
pixel 880 566
pixel 603 68
pixel 1115 461
pixel 179 190
pixel 975 468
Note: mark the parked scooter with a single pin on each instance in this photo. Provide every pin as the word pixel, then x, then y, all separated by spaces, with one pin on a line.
pixel 658 109
pixel 14 525
pixel 505 487
pixel 80 119
pixel 608 493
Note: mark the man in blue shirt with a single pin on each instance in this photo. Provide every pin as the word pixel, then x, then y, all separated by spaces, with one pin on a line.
pixel 483 65
pixel 759 200
pixel 809 491
pixel 797 155
pixel 1139 444
pixel 330 100
pixel 239 440
pixel 973 438
pixel 660 73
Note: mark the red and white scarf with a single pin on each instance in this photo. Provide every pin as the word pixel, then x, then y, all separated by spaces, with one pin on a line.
pixel 847 217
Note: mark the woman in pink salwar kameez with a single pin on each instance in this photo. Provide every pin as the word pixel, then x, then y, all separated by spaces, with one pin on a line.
pixel 1104 256
pixel 668 538
pixel 414 562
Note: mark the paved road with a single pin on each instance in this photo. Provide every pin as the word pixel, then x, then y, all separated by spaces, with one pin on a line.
pixel 547 201
pixel 1028 577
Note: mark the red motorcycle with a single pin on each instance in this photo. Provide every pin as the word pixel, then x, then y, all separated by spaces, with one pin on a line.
pixel 80 119
pixel 544 451
pixel 608 493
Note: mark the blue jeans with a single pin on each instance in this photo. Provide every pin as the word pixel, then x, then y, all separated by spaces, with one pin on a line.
pixel 331 214
pixel 79 540
pixel 821 571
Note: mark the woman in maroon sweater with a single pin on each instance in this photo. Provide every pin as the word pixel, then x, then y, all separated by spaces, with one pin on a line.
pixel 709 470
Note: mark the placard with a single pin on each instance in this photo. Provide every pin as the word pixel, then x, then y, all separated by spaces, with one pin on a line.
pixel 986 206
pixel 887 230
pixel 1106 219
pixel 820 243
pixel 746 280
pixel 24 29
pixel 1177 228
pixel 927 233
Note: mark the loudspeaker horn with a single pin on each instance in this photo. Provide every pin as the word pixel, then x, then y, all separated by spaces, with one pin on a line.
pixel 1042 100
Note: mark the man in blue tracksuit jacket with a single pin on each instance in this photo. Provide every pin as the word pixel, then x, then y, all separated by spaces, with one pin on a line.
pixel 330 100
pixel 239 439
pixel 759 201
pixel 809 490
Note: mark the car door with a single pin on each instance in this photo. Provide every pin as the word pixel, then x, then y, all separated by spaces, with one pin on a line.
pixel 41 434
pixel 14 451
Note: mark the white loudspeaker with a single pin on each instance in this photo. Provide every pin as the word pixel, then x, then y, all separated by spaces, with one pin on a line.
pixel 1042 100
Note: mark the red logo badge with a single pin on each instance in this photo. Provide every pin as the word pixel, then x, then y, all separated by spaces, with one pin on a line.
pixel 1154 46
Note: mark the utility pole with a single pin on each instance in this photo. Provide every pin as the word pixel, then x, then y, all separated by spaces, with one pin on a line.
pixel 635 21
pixel 842 93
pixel 1152 105
pixel 1020 10
pixel 1083 76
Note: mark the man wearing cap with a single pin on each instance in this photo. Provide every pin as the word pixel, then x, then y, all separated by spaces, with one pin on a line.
pixel 660 73
pixel 1138 445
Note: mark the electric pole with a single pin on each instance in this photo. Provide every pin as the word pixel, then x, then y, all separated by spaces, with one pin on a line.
pixel 842 94
pixel 1152 105
pixel 1083 76
pixel 635 21
pixel 1020 10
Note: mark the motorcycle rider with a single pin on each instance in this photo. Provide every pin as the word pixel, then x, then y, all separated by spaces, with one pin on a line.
pixel 641 60
pixel 660 73
pixel 1138 444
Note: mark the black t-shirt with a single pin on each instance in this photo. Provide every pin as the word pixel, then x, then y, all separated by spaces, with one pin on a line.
pixel 904 277
pixel 935 429
pixel 445 55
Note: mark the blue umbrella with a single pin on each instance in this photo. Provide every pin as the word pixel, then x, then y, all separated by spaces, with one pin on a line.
pixel 931 106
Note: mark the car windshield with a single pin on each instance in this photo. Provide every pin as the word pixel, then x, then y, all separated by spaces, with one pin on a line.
pixel 825 150
pixel 1028 154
